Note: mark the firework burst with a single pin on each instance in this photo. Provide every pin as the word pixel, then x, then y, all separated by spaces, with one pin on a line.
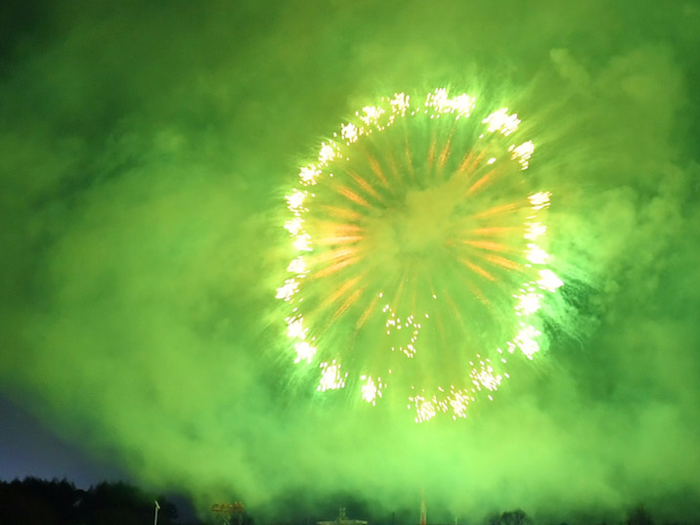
pixel 419 260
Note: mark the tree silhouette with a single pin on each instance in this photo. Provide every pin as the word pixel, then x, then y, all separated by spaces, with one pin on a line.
pixel 35 501
pixel 38 501
pixel 513 517
pixel 639 516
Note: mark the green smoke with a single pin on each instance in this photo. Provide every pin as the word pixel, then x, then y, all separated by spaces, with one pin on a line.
pixel 146 149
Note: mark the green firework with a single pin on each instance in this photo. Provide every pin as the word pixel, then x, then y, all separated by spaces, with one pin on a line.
pixel 420 262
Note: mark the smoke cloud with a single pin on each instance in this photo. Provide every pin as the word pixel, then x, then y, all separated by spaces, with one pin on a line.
pixel 146 150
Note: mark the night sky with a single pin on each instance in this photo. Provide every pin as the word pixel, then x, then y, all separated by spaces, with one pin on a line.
pixel 146 149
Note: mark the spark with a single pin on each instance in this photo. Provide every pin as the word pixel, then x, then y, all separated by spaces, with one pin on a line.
pixel 371 115
pixel 295 201
pixel 302 242
pixel 287 290
pixel 539 200
pixel 523 153
pixel 528 303
pixel 371 389
pixel 549 280
pixel 296 328
pixel 400 104
pixel 534 230
pixel 536 255
pixel 304 351
pixel 349 132
pixel 462 104
pixel 309 174
pixel 526 341
pixel 502 122
pixel 297 266
pixel 331 377
pixel 327 154
pixel 294 226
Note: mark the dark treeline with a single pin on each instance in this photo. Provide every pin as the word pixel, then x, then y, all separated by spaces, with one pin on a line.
pixel 59 502
pixel 34 501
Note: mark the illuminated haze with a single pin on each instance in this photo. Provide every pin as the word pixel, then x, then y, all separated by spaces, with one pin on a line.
pixel 146 152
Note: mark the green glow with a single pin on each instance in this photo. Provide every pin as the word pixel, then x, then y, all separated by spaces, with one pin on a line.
pixel 146 153
pixel 417 208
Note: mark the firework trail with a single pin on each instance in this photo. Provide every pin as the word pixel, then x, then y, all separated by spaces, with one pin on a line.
pixel 419 261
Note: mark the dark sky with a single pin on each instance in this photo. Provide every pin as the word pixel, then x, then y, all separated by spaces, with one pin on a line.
pixel 146 150
pixel 32 449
